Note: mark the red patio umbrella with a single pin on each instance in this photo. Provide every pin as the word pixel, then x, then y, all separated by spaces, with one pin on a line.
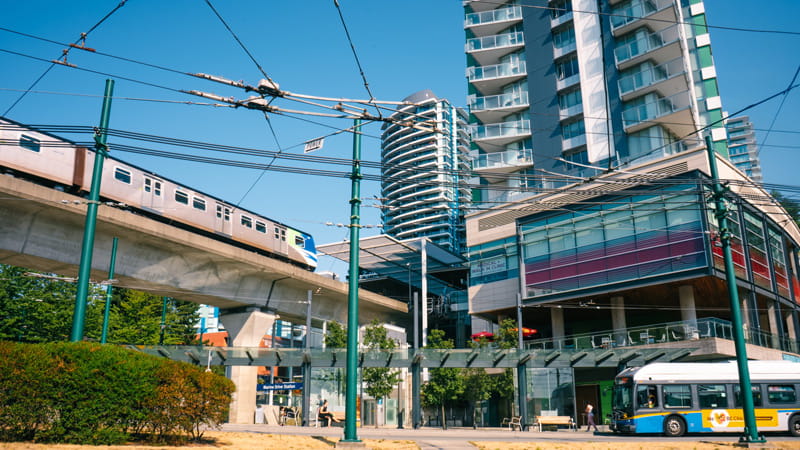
pixel 526 332
pixel 483 334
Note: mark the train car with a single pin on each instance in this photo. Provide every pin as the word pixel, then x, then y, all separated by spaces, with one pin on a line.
pixel 60 163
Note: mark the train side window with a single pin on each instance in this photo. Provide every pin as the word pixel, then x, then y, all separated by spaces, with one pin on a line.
pixel 30 143
pixel 157 188
pixel 219 211
pixel 781 393
pixel 299 241
pixel 182 197
pixel 277 233
pixel 757 400
pixel 261 227
pixel 283 235
pixel 122 175
pixel 247 221
pixel 148 184
pixel 198 203
pixel 677 396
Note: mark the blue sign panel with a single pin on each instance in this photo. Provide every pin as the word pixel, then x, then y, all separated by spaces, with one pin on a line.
pixel 280 386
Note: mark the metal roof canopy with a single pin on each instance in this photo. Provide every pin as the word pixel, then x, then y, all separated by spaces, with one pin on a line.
pixel 389 257
pixel 427 358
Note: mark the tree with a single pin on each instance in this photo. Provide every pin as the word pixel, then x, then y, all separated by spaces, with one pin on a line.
pixel 379 380
pixel 791 206
pixel 336 337
pixel 445 385
pixel 507 338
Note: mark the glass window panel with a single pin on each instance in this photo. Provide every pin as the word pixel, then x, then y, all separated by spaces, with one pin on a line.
pixel 647 396
pixel 677 396
pixel 247 222
pixel 122 175
pixel 618 224
pixel 757 400
pixel 712 396
pixel 781 393
pixel 588 231
pixel 30 143
pixel 182 197
pixel 199 203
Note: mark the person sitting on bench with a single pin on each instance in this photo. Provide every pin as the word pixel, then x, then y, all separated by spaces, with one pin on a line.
pixel 324 414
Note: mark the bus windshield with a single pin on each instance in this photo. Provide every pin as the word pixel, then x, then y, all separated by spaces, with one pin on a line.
pixel 623 396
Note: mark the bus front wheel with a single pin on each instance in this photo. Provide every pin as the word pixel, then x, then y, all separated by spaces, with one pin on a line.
pixel 674 426
pixel 794 425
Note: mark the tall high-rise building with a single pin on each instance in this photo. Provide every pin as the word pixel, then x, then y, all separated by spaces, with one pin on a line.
pixel 569 87
pixel 422 166
pixel 742 147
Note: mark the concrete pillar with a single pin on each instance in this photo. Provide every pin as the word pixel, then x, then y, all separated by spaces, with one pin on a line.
pixel 774 328
pixel 618 321
pixel 245 329
pixel 557 325
pixel 688 308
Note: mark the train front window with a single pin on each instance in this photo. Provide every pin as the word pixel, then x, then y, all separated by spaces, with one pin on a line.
pixel 623 395
pixel 299 241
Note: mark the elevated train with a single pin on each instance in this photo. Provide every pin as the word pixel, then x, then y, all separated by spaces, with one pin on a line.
pixel 53 161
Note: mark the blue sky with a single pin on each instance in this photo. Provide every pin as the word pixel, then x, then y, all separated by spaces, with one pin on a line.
pixel 403 46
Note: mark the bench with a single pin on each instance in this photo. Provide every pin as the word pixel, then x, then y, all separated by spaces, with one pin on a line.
pixel 556 421
pixel 512 422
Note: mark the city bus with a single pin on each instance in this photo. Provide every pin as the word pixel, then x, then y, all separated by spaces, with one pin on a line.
pixel 676 398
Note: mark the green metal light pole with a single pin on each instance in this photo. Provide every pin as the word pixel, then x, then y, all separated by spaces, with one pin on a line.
pixel 84 272
pixel 750 429
pixel 109 291
pixel 351 383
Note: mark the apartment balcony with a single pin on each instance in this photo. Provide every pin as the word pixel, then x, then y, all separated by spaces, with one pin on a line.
pixel 573 142
pixel 489 49
pixel 663 334
pixel 657 14
pixel 481 5
pixel 673 112
pixel 560 52
pixel 572 111
pixel 492 22
pixel 493 108
pixel 490 79
pixel 666 79
pixel 564 83
pixel 662 151
pixel 659 47
pixel 560 20
pixel 492 136
pixel 502 162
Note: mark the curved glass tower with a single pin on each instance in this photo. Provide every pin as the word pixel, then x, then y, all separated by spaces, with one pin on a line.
pixel 424 168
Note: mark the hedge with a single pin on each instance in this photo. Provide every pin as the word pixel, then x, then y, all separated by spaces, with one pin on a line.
pixel 102 394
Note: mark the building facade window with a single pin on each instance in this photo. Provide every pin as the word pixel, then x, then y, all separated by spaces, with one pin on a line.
pixel 567 68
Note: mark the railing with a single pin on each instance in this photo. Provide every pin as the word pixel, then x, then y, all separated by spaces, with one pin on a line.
pixel 709 327
pixel 495 41
pixel 496 71
pixel 650 76
pixel 509 158
pixel 495 15
pixel 498 101
pixel 570 111
pixel 504 129
pixel 636 10
pixel 653 110
pixel 646 44
pixel 662 151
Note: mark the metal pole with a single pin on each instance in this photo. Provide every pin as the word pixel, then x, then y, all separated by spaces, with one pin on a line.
pixel 109 291
pixel 351 384
pixel 750 428
pixel 84 272
pixel 307 366
pixel 163 320
pixel 416 411
pixel 522 379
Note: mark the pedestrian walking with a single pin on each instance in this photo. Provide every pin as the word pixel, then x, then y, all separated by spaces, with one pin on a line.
pixel 590 418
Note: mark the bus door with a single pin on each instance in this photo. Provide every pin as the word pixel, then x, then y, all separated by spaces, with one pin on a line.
pixel 153 193
pixel 222 219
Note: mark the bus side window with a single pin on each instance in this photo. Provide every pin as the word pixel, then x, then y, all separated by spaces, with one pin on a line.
pixel 712 396
pixel 756 396
pixel 781 393
pixel 646 396
pixel 677 396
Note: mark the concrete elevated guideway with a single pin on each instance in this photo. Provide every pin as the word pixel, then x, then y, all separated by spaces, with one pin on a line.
pixel 39 231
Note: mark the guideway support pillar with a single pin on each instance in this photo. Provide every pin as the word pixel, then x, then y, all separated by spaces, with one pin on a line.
pixel 245 329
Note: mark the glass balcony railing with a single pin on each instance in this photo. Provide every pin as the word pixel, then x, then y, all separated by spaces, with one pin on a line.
pixel 495 15
pixel 653 110
pixel 498 101
pixel 495 41
pixel 496 71
pixel 646 43
pixel 636 10
pixel 510 158
pixel 660 152
pixel 650 75
pixel 499 130
pixel 661 333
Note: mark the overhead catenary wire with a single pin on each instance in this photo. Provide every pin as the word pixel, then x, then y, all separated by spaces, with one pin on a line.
pixel 355 55
pixel 64 53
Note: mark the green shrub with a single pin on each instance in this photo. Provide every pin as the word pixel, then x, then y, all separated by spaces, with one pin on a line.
pixel 93 394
